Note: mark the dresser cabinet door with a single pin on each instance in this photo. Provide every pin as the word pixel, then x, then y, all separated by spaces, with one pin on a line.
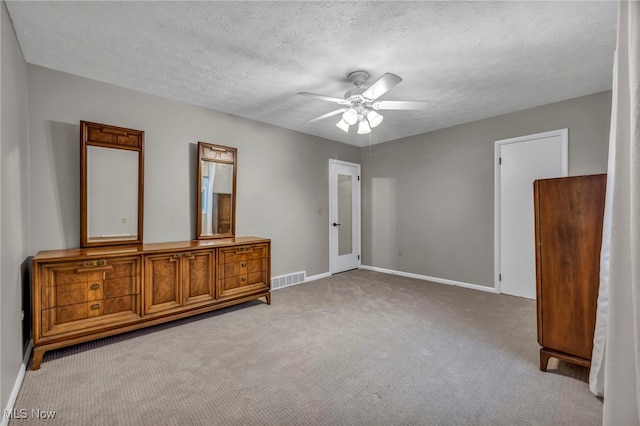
pixel 243 270
pixel 197 272
pixel 162 283
pixel 76 297
pixel 178 281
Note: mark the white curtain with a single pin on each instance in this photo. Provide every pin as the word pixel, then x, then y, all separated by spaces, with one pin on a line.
pixel 621 357
pixel 596 375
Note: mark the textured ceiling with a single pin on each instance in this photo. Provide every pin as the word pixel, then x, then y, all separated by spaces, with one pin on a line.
pixel 470 60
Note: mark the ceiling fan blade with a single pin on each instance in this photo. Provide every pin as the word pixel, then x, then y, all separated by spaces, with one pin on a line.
pixel 325 98
pixel 382 86
pixel 412 105
pixel 327 115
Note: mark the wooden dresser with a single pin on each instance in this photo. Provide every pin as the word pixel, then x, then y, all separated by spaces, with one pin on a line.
pixel 85 294
pixel 568 228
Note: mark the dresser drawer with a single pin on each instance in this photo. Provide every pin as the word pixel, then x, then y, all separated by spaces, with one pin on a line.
pixel 82 313
pixel 243 253
pixel 242 268
pixel 66 274
pixel 120 287
pixel 242 280
pixel 56 274
pixel 121 269
pixel 69 294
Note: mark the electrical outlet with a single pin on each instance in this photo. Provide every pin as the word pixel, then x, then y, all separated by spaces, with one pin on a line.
pixel 320 210
pixel 124 220
pixel 399 252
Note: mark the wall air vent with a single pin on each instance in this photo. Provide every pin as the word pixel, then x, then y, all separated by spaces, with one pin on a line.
pixel 288 280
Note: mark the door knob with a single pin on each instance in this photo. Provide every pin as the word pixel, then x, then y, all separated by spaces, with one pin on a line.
pixel 336 224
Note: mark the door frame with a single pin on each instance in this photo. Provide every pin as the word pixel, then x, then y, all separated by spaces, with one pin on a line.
pixel 358 244
pixel 564 142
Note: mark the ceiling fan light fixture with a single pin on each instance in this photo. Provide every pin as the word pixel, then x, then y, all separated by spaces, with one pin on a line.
pixel 350 116
pixel 374 118
pixel 363 128
pixel 343 125
pixel 360 106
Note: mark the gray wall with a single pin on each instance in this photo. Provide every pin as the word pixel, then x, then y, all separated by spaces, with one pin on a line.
pixel 432 195
pixel 13 207
pixel 282 175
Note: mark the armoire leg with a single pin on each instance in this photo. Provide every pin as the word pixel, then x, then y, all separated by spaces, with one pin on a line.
pixel 544 359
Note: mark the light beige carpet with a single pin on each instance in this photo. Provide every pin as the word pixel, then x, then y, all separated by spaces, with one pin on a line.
pixel 356 348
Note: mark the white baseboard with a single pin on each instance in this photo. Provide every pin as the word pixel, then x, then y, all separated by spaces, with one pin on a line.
pixel 428 278
pixel 408 275
pixel 17 384
pixel 317 277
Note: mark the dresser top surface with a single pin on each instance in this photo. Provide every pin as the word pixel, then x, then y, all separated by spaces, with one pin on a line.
pixel 137 249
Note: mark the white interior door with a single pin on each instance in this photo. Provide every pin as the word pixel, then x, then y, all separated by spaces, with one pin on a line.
pixel 519 162
pixel 344 215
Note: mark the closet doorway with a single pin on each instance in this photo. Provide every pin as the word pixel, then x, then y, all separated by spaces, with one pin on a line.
pixel 518 162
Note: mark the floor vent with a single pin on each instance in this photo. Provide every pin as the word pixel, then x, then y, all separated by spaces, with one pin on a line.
pixel 287 280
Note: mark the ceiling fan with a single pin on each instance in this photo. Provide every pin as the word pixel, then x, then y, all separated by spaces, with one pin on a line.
pixel 359 105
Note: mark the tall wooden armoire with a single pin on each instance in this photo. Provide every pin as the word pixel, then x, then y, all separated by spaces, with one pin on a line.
pixel 568 228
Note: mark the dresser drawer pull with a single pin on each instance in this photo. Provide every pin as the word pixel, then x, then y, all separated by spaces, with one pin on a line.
pixel 95 306
pixel 95 286
pixel 243 279
pixel 90 263
pixel 244 264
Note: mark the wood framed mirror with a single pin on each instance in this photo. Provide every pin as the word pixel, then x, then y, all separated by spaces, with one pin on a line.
pixel 111 185
pixel 216 209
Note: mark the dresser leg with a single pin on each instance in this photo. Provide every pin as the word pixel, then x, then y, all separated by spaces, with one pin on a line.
pixel 38 354
pixel 544 359
pixel 268 297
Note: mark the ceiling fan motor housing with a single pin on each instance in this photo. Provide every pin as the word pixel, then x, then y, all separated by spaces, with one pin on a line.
pixel 354 96
pixel 358 78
